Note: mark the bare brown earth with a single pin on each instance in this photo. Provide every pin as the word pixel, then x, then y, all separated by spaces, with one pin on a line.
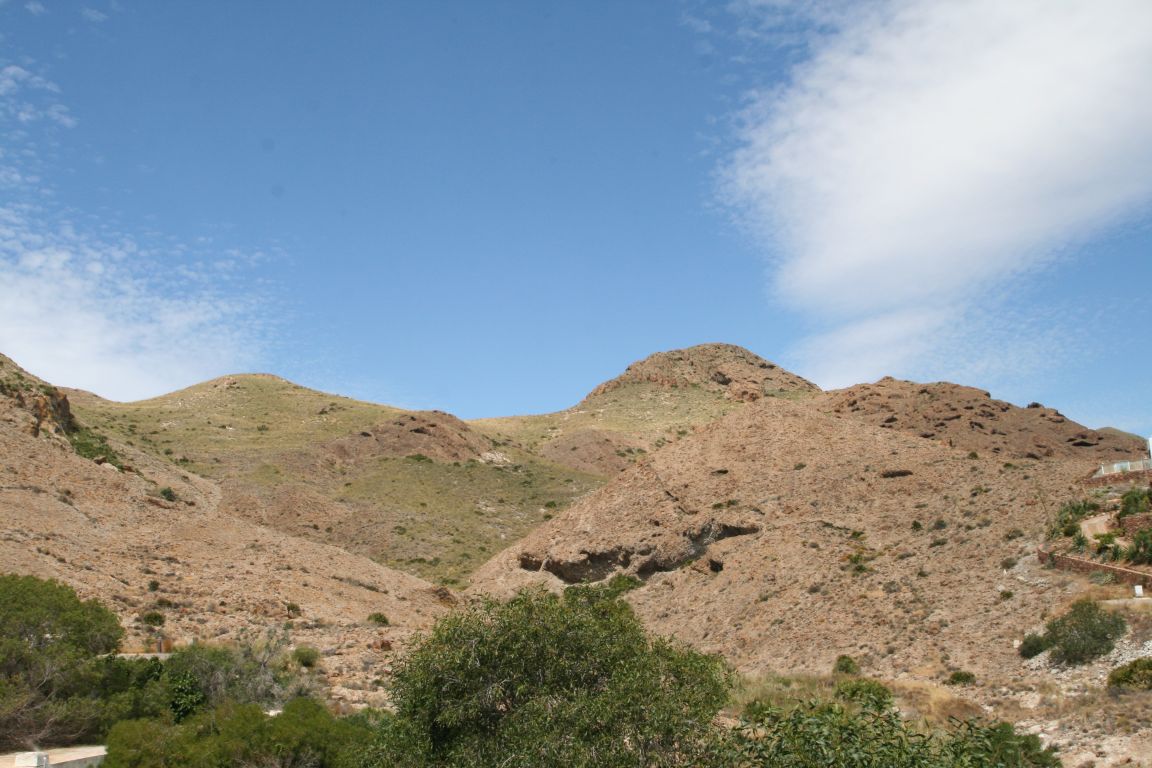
pixel 970 419
pixel 108 533
pixel 784 535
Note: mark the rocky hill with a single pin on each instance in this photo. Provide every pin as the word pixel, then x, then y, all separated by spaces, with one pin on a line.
pixel 782 537
pixel 765 520
pixel 654 402
pixel 420 491
pixel 147 536
pixel 968 418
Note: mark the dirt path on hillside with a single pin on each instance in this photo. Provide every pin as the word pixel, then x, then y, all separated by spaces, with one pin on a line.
pixel 1094 526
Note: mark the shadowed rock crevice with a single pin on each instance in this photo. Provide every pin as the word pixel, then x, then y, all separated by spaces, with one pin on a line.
pixel 645 560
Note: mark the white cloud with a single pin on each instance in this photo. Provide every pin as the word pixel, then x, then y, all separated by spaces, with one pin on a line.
pixel 926 153
pixel 102 313
pixel 93 15
pixel 35 8
pixel 125 316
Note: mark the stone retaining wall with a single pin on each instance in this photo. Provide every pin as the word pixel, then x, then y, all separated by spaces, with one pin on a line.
pixel 1119 478
pixel 1084 565
pixel 1134 523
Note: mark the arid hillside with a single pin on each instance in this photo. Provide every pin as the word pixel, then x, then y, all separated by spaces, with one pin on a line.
pixel 655 401
pixel 783 537
pixel 765 520
pixel 968 418
pixel 420 491
pixel 150 537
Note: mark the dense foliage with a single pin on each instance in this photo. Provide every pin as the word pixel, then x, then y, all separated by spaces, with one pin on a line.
pixel 1085 633
pixel 546 679
pixel 1137 501
pixel 541 680
pixel 57 683
pixel 303 735
pixel 61 681
pixel 830 735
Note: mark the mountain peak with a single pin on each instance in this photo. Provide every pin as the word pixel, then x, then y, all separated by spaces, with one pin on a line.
pixel 722 368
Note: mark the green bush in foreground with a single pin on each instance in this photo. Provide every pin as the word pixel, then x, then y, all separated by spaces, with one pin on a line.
pixel 57 682
pixel 304 735
pixel 551 680
pixel 827 735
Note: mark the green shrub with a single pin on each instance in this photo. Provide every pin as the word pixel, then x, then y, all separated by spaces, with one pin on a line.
pixel 960 677
pixel 846 665
pixel 1140 552
pixel 59 682
pixel 153 585
pixel 1135 674
pixel 547 680
pixel 252 672
pixel 827 735
pixel 306 656
pixel 1067 522
pixel 1084 633
pixel 1033 645
pixel 152 618
pixel 869 693
pixel 303 735
pixel 167 494
pixel 378 618
pixel 1135 502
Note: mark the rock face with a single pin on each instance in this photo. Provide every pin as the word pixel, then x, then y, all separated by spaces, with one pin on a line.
pixel 782 536
pixel 723 368
pixel 968 418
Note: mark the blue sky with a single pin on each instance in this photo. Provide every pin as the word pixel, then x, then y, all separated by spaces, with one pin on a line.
pixel 490 207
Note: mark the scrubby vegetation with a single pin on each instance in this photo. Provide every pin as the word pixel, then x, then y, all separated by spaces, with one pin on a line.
pixel 1136 675
pixel 1067 522
pixel 1085 633
pixel 822 735
pixel 541 680
pixel 1137 501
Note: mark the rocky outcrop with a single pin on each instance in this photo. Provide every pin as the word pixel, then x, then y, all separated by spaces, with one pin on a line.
pixel 723 368
pixel 970 419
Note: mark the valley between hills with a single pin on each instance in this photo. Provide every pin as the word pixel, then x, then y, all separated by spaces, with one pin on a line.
pixel 766 520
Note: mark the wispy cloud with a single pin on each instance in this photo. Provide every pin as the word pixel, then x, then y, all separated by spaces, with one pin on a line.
pixel 924 155
pixel 127 316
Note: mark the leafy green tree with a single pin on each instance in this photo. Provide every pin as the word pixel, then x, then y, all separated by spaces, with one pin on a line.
pixel 551 680
pixel 57 683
